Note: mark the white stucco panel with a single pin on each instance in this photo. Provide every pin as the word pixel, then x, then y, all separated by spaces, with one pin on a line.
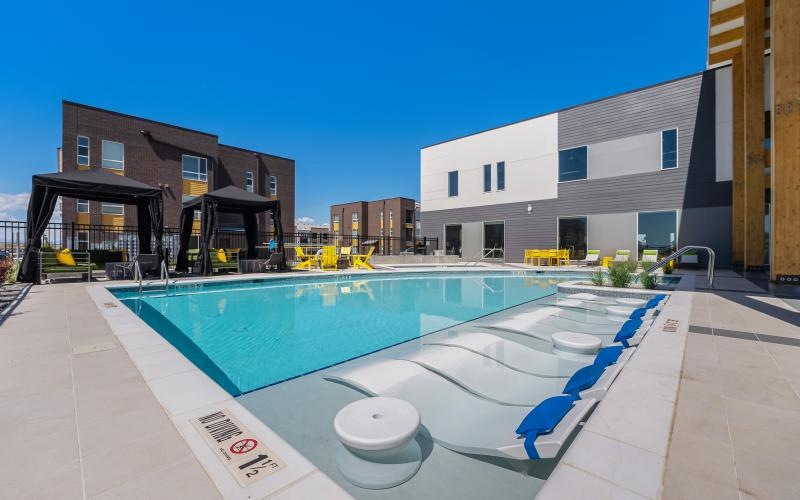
pixel 529 150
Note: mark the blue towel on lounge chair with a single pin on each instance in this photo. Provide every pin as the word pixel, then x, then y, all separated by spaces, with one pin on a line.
pixel 608 355
pixel 542 419
pixel 583 379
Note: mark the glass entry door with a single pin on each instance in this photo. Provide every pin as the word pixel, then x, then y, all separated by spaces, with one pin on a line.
pixel 493 240
pixel 452 239
pixel 572 233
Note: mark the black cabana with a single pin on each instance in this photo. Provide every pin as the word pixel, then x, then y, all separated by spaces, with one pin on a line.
pixel 229 199
pixel 96 185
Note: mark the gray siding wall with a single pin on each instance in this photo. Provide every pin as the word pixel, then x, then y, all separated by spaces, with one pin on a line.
pixel 687 104
pixel 637 154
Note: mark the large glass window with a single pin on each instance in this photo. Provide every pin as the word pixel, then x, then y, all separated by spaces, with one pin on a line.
pixel 273 185
pixel 493 239
pixel 83 150
pixel 195 168
pixel 487 178
pixel 248 181
pixel 669 148
pixel 83 206
pixel 112 209
pixel 658 231
pixel 572 164
pixel 501 175
pixel 572 233
pixel 113 155
pixel 452 183
pixel 452 239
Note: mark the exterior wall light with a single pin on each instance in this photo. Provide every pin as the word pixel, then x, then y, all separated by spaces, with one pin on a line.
pixel 530 208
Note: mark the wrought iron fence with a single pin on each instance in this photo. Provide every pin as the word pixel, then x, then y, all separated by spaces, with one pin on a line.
pixel 126 238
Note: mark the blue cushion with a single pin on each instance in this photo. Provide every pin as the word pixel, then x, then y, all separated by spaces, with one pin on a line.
pixel 652 303
pixel 583 379
pixel 543 419
pixel 638 313
pixel 608 355
pixel 628 329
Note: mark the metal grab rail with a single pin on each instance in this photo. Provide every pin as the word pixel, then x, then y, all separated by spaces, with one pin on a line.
pixel 484 254
pixel 711 261
pixel 165 274
pixel 137 274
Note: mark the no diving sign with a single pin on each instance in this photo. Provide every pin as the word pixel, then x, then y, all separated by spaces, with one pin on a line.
pixel 244 455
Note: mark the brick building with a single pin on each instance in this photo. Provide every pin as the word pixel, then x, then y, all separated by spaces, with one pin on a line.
pixel 183 162
pixel 394 218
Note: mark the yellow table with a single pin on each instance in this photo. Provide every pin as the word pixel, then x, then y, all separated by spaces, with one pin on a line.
pixel 606 260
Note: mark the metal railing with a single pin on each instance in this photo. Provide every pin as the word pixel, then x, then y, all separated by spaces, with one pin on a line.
pixel 494 253
pixel 711 261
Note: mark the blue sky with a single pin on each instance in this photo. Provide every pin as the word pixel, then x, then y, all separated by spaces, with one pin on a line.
pixel 350 90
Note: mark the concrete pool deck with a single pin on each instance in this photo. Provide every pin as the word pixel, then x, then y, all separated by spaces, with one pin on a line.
pixel 87 424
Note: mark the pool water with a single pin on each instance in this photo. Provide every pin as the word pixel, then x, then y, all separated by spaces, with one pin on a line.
pixel 248 334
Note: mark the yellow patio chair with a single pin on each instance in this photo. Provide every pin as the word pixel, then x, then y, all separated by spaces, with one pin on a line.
pixel 563 256
pixel 552 257
pixel 537 255
pixel 305 261
pixel 329 258
pixel 362 261
pixel 527 256
pixel 346 252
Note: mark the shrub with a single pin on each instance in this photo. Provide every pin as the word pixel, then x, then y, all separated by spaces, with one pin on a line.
pixel 669 267
pixel 6 269
pixel 648 280
pixel 620 274
pixel 598 278
pixel 647 265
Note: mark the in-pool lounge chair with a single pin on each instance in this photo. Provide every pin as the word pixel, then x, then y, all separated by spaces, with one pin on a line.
pixel 492 380
pixel 467 423
pixel 622 256
pixel 511 354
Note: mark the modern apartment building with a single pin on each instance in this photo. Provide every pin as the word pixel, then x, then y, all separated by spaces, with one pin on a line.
pixel 649 168
pixel 394 218
pixel 183 162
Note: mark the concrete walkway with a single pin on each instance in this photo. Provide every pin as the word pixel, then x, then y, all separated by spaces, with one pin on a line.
pixel 736 432
pixel 80 421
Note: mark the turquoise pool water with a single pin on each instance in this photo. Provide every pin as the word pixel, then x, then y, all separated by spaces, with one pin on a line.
pixel 248 334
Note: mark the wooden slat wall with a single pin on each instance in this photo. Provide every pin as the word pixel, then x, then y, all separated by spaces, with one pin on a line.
pixel 737 203
pixel 786 138
pixel 753 56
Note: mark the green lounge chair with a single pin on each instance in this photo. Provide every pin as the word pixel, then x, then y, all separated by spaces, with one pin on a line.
pixel 649 255
pixel 50 268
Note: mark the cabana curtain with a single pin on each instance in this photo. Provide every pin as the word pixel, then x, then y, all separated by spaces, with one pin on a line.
pixel 95 185
pixel 229 199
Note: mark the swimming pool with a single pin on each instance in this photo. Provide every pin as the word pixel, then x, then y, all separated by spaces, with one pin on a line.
pixel 248 334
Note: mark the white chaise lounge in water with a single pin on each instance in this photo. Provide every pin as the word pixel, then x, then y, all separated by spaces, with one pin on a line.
pixel 511 354
pixel 457 419
pixel 492 380
pixel 542 323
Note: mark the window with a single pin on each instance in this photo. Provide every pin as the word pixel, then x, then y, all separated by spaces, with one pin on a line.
pixel 391 218
pixel 83 241
pixel 452 183
pixel 487 178
pixel 83 206
pixel 336 219
pixel 195 168
pixel 354 217
pixel 493 239
pixel 669 148
pixel 501 175
pixel 248 181
pixel 112 209
pixel 572 164
pixel 381 219
pixel 273 185
pixel 658 231
pixel 572 235
pixel 83 150
pixel 113 155
pixel 452 240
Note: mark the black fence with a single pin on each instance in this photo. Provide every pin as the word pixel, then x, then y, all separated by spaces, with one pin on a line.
pixel 125 238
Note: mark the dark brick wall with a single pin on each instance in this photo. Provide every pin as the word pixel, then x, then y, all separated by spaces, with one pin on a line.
pixel 369 216
pixel 235 162
pixel 156 160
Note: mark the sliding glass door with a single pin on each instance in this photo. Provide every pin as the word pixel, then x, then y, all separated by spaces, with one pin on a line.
pixel 493 240
pixel 572 234
pixel 658 231
pixel 452 239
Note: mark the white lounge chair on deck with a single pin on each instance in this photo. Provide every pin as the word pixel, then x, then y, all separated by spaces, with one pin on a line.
pixel 491 380
pixel 457 419
pixel 511 354
pixel 592 258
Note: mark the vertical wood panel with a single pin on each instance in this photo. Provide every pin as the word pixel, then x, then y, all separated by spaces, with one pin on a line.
pixel 786 137
pixel 737 202
pixel 754 177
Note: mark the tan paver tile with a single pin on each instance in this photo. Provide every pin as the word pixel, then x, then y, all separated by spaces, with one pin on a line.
pixel 683 485
pixel 184 479
pixel 767 390
pixel 60 481
pixel 764 476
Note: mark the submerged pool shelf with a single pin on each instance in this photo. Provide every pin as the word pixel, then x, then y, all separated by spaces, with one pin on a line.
pixel 251 333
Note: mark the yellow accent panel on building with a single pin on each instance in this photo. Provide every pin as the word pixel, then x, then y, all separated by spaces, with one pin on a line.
pixel 354 226
pixel 335 226
pixel 194 188
pixel 112 220
pixel 82 219
pixel 196 226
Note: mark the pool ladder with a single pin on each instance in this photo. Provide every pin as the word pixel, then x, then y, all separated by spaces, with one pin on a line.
pixel 137 274
pixel 711 260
